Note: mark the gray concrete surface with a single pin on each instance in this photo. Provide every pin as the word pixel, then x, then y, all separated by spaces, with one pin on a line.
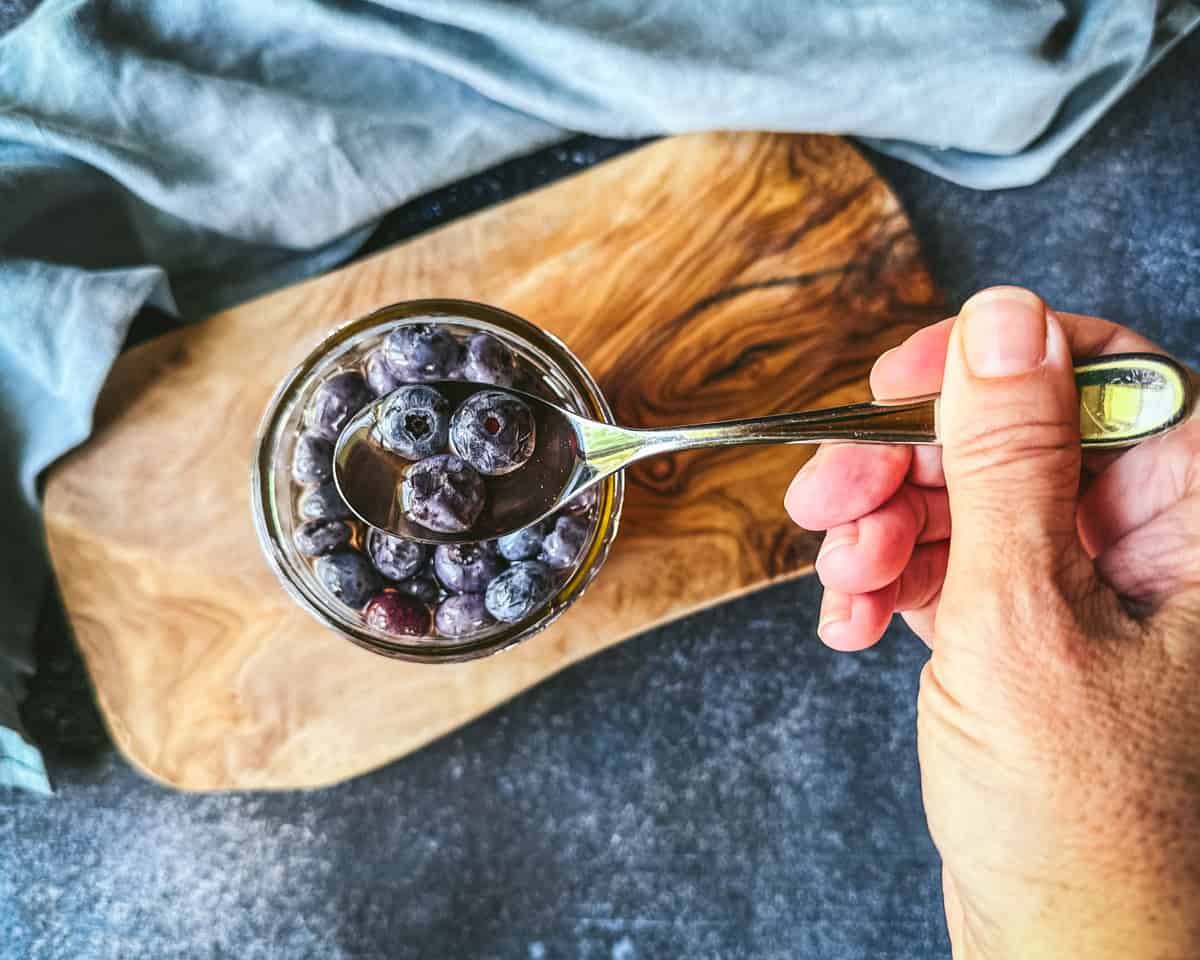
pixel 722 787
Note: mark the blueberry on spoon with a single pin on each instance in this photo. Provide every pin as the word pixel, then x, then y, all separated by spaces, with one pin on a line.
pixel 414 422
pixel 442 493
pixel 494 432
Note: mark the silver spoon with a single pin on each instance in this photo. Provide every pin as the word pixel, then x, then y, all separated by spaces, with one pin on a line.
pixel 1123 399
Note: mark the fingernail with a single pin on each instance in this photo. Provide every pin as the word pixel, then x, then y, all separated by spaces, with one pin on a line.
pixel 1004 332
pixel 843 536
pixel 835 609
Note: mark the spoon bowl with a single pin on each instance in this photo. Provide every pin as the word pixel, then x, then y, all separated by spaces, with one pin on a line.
pixel 371 478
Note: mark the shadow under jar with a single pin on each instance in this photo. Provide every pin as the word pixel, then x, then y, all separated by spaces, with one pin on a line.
pixel 312 541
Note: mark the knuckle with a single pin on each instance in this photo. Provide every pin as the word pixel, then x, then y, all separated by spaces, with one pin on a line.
pixel 942 714
pixel 1038 446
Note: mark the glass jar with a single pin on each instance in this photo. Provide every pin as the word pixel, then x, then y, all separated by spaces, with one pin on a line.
pixel 558 375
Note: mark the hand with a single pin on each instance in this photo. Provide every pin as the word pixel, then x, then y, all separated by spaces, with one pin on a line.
pixel 1059 712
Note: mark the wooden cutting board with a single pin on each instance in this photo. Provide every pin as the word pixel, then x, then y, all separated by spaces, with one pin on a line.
pixel 701 277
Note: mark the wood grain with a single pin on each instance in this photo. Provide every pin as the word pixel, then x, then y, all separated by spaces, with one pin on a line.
pixel 701 277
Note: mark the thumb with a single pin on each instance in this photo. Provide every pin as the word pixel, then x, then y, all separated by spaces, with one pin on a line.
pixel 1009 427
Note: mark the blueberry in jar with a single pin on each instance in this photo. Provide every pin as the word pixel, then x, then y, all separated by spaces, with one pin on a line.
pixel 312 459
pixel 414 422
pixel 581 503
pixel 524 544
pixel 324 503
pixel 319 537
pixel 349 577
pixel 397 615
pixel 421 352
pixel 563 544
pixel 380 379
pixel 442 493
pixel 519 590
pixel 335 401
pixel 494 432
pixel 466 567
pixel 396 557
pixel 488 360
pixel 462 615
pixel 421 587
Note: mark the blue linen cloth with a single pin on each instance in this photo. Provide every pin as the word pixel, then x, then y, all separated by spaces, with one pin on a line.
pixel 191 155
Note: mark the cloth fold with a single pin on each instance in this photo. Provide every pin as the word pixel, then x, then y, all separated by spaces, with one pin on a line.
pixel 192 155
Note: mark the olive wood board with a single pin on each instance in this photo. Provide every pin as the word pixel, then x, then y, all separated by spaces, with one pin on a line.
pixel 701 277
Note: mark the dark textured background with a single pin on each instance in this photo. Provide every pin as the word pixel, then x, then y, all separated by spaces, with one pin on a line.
pixel 722 787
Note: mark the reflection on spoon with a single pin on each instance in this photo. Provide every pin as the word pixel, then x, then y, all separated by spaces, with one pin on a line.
pixel 1124 398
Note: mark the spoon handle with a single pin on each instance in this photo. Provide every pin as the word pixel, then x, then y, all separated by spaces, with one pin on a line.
pixel 1123 399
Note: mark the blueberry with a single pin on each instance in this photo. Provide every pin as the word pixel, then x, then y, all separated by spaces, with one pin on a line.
pixel 462 615
pixel 466 567
pixel 380 379
pixel 324 503
pixel 318 537
pixel 489 361
pixel 395 557
pixel 562 545
pixel 398 615
pixel 312 459
pixel 493 432
pixel 420 351
pixel 415 422
pixel 519 590
pixel 335 401
pixel 348 577
pixel 422 586
pixel 582 503
pixel 523 545
pixel 442 493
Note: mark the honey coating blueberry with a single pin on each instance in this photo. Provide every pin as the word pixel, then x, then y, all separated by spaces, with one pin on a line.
pixel 466 567
pixel 493 432
pixel 462 615
pixel 442 493
pixel 563 544
pixel 396 557
pixel 419 352
pixel 349 577
pixel 335 401
pixel 312 459
pixel 524 544
pixel 324 503
pixel 582 503
pixel 319 537
pixel 380 379
pixel 487 360
pixel 423 587
pixel 414 422
pixel 519 591
pixel 398 615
